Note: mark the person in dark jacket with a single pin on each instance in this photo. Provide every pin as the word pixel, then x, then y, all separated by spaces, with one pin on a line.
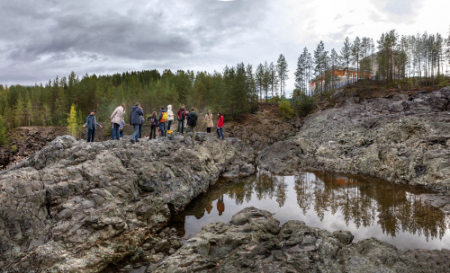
pixel 136 115
pixel 180 118
pixel 191 123
pixel 91 124
pixel 162 122
pixel 153 120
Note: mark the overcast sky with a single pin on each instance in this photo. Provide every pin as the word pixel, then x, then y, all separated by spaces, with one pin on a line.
pixel 40 40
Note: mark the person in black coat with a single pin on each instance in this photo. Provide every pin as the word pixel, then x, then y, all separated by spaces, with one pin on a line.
pixel 136 115
pixel 191 124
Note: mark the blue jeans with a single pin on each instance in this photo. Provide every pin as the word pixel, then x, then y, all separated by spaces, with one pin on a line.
pixel 162 128
pixel 121 133
pixel 180 124
pixel 140 130
pixel 136 132
pixel 91 134
pixel 115 131
pixel 219 132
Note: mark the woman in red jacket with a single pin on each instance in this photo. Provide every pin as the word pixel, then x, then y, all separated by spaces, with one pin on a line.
pixel 220 126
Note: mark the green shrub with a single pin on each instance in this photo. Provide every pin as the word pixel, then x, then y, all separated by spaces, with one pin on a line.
pixel 13 148
pixel 285 109
pixel 304 105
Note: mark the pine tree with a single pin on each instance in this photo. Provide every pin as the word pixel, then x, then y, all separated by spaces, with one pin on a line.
pixel 356 54
pixel 72 122
pixel 346 56
pixel 29 111
pixel 320 60
pixel 3 139
pixel 266 80
pixel 300 73
pixel 282 69
pixel 334 61
pixel 273 78
pixel 20 111
pixel 259 78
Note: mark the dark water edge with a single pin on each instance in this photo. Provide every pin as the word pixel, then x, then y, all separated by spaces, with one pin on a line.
pixel 367 206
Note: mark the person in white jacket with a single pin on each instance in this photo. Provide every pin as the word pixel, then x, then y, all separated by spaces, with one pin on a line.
pixel 169 116
pixel 116 120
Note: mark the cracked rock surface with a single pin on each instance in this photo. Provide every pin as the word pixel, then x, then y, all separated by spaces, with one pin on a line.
pixel 253 242
pixel 403 139
pixel 78 206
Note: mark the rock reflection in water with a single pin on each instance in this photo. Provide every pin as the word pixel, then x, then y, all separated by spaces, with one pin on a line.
pixel 368 207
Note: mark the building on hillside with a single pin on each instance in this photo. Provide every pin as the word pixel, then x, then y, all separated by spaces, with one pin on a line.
pixel 341 77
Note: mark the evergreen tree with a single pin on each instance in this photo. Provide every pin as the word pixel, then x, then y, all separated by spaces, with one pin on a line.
pixel 259 78
pixel 29 112
pixel 282 69
pixel 20 111
pixel 334 62
pixel 356 54
pixel 273 78
pixel 346 56
pixel 3 138
pixel 320 60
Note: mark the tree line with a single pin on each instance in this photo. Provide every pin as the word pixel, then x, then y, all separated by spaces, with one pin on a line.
pixel 235 91
pixel 414 60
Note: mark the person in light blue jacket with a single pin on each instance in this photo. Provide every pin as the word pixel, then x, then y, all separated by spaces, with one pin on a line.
pixel 91 124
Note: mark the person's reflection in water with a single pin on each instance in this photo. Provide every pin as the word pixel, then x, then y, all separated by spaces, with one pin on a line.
pixel 220 205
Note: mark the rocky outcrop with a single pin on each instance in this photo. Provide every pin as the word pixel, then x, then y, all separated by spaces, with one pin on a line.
pixel 77 206
pixel 264 128
pixel 254 242
pixel 403 139
pixel 25 141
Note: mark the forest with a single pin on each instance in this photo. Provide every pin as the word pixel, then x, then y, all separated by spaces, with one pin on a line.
pixel 408 60
pixel 422 59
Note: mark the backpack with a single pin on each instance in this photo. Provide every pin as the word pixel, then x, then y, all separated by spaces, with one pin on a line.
pixel 164 117
pixel 153 121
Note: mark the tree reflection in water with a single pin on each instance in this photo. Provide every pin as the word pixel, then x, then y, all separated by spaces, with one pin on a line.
pixel 362 201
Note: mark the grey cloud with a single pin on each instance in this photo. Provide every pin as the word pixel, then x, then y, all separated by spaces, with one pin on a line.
pixel 344 31
pixel 397 11
pixel 68 35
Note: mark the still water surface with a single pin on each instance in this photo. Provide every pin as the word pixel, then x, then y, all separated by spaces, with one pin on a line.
pixel 368 207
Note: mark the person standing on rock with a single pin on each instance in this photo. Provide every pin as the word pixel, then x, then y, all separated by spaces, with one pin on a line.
pixel 180 118
pixel 162 121
pixel 116 120
pixel 122 126
pixel 136 115
pixel 209 121
pixel 220 126
pixel 191 123
pixel 169 117
pixel 153 120
pixel 91 124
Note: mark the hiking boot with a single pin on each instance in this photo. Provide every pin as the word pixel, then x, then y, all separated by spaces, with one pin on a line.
pixel 132 141
pixel 137 140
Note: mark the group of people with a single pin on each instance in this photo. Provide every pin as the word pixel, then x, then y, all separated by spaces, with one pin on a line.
pixel 187 121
